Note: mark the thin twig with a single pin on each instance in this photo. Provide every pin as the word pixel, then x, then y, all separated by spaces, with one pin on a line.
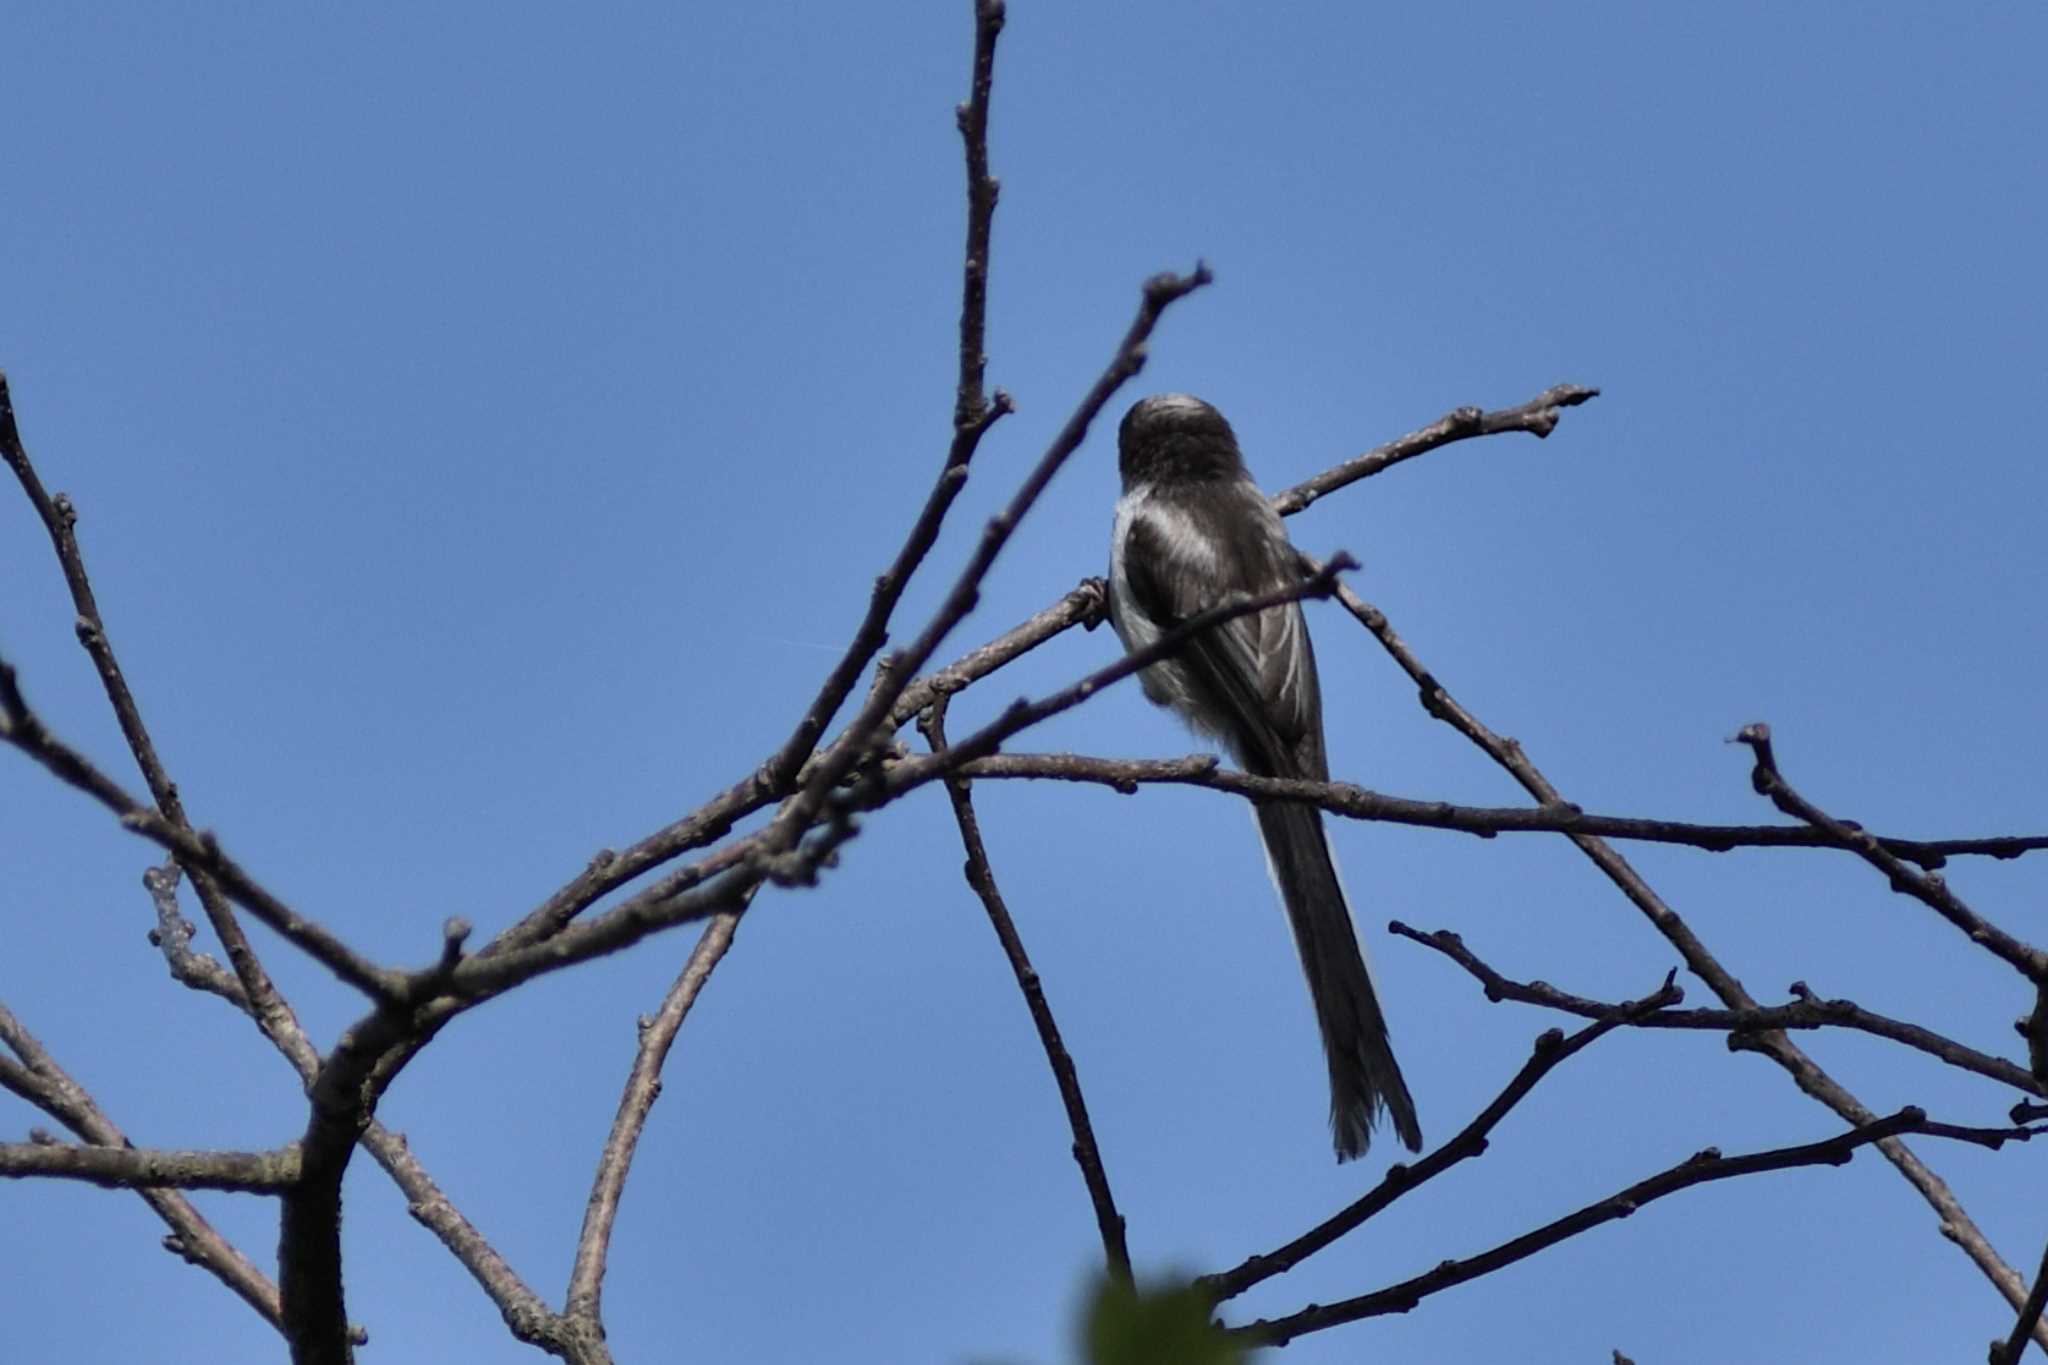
pixel 643 1087
pixel 1550 1049
pixel 1159 293
pixel 1539 417
pixel 173 938
pixel 1018 715
pixel 197 852
pixel 272 1013
pixel 981 877
pixel 1808 1011
pixel 38 1079
pixel 2008 1352
pixel 1087 606
pixel 1700 1169
pixel 973 415
pixel 610 870
pixel 1925 887
pixel 529 1319
pixel 970 410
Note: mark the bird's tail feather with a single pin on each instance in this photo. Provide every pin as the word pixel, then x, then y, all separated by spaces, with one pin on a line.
pixel 1364 1078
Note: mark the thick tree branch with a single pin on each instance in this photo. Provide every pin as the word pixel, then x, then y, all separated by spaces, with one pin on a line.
pixel 981 877
pixel 1551 1048
pixel 1808 1011
pixel 342 1103
pixel 1928 889
pixel 1360 803
pixel 118 1168
pixel 529 1319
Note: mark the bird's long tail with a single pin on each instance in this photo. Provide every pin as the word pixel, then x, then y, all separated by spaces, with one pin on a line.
pixel 1364 1078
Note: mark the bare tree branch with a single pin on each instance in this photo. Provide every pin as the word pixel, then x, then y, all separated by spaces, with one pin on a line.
pixel 829 768
pixel 643 1087
pixel 912 773
pixel 2008 1352
pixel 341 1105
pixel 1086 606
pixel 197 852
pixel 1159 293
pixel 273 1014
pixel 823 793
pixel 60 520
pixel 1539 417
pixel 981 877
pixel 529 1319
pixel 117 1168
pixel 727 878
pixel 173 938
pixel 1551 1048
pixel 38 1079
pixel 1928 889
pixel 1808 1011
pixel 1360 803
pixel 1956 1223
pixel 973 413
pixel 249 987
pixel 608 870
pixel 1699 1169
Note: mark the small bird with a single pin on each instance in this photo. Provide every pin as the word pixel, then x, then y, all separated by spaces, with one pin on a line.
pixel 1192 529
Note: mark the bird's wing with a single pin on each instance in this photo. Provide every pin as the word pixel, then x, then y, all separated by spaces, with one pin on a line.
pixel 1258 669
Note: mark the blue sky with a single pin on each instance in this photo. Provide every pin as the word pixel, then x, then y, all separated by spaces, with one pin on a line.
pixel 486 424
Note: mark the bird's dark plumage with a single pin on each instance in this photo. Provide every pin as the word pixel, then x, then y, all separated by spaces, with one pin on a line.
pixel 1191 530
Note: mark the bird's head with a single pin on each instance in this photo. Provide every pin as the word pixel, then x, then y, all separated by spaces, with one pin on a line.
pixel 1176 436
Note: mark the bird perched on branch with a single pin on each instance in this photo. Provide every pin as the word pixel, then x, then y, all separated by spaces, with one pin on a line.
pixel 1193 530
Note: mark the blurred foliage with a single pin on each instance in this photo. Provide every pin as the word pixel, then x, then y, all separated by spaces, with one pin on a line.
pixel 1164 1323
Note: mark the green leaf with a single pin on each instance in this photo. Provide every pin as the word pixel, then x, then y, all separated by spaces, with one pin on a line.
pixel 1166 1323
